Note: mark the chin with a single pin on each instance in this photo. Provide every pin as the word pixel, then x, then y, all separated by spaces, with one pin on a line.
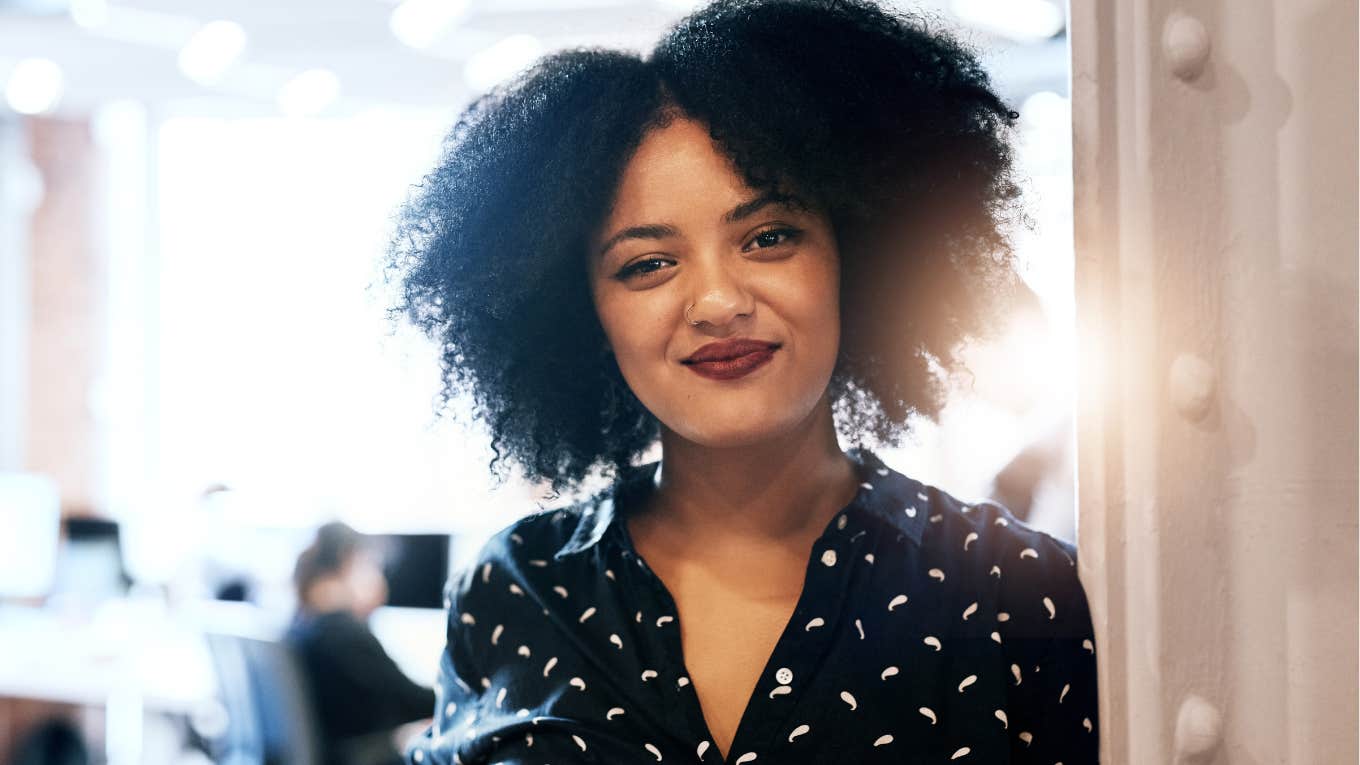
pixel 718 429
pixel 737 417
pixel 733 440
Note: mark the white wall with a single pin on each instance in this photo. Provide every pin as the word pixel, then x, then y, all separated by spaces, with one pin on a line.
pixel 18 195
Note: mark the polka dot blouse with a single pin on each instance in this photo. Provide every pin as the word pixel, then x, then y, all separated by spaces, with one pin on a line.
pixel 929 630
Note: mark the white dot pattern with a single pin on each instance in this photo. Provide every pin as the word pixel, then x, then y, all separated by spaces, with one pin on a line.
pixel 908 644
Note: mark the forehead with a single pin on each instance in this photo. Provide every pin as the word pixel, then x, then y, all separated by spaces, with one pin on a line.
pixel 677 173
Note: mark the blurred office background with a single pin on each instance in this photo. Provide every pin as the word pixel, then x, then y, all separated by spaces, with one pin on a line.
pixel 195 366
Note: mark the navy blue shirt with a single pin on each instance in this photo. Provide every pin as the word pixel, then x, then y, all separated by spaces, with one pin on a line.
pixel 929 630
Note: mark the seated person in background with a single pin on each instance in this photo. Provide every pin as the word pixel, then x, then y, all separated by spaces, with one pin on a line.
pixel 360 695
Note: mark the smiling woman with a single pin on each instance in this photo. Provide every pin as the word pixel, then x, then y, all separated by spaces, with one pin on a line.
pixel 772 232
pixel 890 129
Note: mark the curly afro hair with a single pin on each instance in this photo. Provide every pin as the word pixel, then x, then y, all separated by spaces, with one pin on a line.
pixel 888 124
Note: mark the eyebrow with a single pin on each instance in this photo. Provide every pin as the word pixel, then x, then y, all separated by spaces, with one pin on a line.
pixel 736 214
pixel 747 209
pixel 650 231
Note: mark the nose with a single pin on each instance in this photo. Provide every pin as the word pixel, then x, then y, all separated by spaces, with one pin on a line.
pixel 720 297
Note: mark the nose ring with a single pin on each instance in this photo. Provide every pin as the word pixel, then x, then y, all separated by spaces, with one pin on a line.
pixel 687 319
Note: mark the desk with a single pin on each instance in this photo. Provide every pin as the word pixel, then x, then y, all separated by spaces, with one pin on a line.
pixel 129 658
pixel 414 638
pixel 124 647
pixel 133 657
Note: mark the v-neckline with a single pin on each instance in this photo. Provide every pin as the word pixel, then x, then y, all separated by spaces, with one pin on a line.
pixel 807 640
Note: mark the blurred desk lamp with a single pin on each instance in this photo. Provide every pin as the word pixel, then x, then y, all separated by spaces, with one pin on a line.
pixel 30 524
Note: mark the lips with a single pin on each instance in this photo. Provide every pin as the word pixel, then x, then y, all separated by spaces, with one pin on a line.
pixel 730 359
pixel 730 349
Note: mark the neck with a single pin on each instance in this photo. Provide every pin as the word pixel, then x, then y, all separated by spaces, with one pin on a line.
pixel 776 493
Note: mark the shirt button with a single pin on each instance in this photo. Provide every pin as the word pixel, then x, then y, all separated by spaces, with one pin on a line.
pixel 784 675
pixel 829 557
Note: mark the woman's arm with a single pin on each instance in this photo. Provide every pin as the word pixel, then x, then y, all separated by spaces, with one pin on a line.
pixel 1050 649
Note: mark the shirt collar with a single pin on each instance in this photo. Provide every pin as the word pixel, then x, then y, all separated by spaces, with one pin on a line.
pixel 884 493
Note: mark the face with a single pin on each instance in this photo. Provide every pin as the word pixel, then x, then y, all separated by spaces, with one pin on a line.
pixel 367 585
pixel 686 231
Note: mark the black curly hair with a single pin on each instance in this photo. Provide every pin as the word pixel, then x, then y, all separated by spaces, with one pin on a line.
pixel 884 120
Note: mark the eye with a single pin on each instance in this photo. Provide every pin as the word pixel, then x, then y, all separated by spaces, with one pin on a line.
pixel 639 267
pixel 773 237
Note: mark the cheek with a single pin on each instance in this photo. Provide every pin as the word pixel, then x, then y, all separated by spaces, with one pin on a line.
pixel 375 586
pixel 810 301
pixel 634 322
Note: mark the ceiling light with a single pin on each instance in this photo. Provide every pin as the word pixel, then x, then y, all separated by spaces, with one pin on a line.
pixel 1020 20
pixel 488 67
pixel 34 86
pixel 211 50
pixel 89 13
pixel 418 23
pixel 309 93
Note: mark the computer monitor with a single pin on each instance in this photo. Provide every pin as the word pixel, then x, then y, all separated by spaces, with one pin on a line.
pixel 417 566
pixel 90 561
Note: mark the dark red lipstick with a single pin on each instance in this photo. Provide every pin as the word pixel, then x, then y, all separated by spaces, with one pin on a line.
pixel 730 359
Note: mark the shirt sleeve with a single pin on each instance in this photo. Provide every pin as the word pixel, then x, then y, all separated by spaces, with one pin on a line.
pixel 345 659
pixel 1052 693
pixel 458 688
pixel 399 698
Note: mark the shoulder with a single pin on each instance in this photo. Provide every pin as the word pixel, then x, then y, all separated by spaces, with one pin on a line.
pixel 512 553
pixel 533 539
pixel 334 631
pixel 987 528
pixel 1032 573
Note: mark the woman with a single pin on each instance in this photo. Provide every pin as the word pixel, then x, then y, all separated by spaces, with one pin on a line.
pixel 362 698
pixel 773 230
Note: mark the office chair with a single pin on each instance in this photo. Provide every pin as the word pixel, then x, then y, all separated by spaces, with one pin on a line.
pixel 270 717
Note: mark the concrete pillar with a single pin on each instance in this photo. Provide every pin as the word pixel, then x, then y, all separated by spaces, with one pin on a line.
pixel 1215 162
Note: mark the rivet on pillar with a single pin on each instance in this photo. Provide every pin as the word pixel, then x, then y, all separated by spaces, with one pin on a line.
pixel 1199 729
pixel 1185 42
pixel 1192 386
